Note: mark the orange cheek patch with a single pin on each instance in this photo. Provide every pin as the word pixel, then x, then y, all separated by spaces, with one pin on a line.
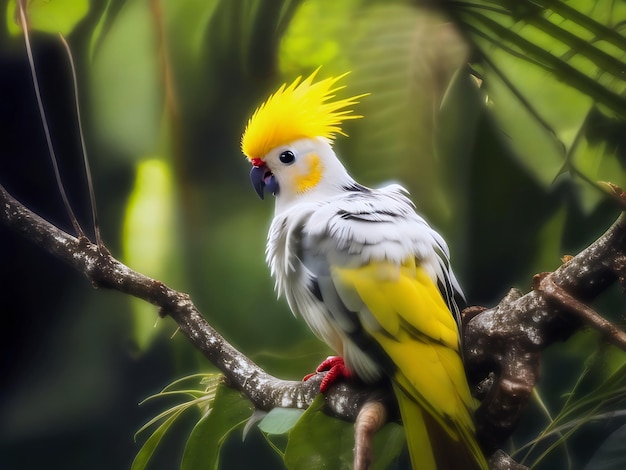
pixel 312 175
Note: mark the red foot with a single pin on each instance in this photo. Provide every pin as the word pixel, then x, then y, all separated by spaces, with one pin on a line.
pixel 336 370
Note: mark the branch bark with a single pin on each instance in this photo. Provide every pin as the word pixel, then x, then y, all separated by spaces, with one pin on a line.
pixel 502 345
pixel 104 271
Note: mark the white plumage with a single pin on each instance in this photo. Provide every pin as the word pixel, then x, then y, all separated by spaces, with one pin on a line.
pixel 347 225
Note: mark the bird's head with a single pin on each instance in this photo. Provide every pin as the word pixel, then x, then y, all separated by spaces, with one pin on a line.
pixel 288 139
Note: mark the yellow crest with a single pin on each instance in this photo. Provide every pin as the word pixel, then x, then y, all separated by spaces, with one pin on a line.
pixel 299 110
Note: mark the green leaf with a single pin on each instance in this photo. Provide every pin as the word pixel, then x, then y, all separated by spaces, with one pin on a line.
pixel 544 66
pixel 461 112
pixel 100 29
pixel 126 85
pixel 145 453
pixel 612 453
pixel 388 444
pixel 280 420
pixel 50 16
pixel 527 101
pixel 548 252
pixel 200 398
pixel 149 218
pixel 596 158
pixel 148 237
pixel 228 413
pixel 187 24
pixel 581 407
pixel 319 441
pixel 315 34
pixel 567 42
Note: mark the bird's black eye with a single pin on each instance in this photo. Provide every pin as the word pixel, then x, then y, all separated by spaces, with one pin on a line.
pixel 287 157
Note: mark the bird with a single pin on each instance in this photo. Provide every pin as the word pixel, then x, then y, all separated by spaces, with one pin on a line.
pixel 365 271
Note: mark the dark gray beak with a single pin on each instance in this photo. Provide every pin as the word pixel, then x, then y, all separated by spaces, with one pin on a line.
pixel 262 178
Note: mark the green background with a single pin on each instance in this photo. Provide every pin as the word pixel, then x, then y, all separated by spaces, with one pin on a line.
pixel 165 94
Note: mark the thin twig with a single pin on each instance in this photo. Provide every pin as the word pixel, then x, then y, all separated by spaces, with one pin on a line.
pixel 589 316
pixel 23 20
pixel 92 196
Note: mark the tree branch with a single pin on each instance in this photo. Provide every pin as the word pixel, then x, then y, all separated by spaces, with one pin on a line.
pixel 503 344
pixel 263 390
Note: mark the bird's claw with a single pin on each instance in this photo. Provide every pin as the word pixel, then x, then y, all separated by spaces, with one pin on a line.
pixel 335 369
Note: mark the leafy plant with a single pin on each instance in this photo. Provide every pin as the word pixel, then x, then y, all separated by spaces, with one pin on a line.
pixel 590 402
pixel 221 412
pixel 553 70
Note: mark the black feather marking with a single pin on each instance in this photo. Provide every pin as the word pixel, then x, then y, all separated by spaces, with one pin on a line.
pixel 356 187
pixel 375 216
pixel 314 287
pixel 373 349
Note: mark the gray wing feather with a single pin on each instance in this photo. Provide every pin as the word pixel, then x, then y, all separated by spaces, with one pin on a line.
pixel 381 224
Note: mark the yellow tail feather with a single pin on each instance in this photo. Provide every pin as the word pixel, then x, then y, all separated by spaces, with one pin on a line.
pixel 430 446
pixel 420 448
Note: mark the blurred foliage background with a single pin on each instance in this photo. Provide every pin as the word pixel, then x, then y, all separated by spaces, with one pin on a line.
pixel 498 116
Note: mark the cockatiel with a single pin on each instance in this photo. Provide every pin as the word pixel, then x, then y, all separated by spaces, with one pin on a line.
pixel 365 271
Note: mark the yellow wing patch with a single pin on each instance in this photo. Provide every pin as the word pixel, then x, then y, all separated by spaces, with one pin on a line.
pixel 400 297
pixel 417 331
